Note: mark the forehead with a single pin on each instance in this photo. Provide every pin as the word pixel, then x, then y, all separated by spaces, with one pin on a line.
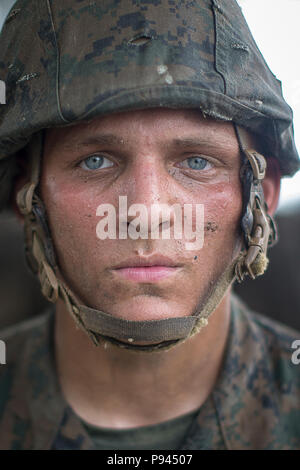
pixel 156 124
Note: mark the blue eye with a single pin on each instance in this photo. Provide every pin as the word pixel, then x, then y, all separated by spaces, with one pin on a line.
pixel 197 163
pixel 95 162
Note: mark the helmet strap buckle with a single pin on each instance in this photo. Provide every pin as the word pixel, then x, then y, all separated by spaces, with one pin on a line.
pixel 261 231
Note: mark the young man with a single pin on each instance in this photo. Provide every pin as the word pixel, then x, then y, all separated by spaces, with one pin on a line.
pixel 134 136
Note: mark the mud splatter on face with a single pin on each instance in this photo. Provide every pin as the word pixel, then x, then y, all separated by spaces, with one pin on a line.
pixel 211 227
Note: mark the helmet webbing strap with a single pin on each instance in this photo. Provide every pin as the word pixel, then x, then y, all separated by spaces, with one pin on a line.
pixel 259 228
pixel 103 327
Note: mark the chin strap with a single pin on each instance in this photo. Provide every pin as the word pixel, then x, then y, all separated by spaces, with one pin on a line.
pixel 259 228
pixel 163 334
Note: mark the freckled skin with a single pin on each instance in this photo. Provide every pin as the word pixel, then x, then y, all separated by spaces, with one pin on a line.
pixel 146 172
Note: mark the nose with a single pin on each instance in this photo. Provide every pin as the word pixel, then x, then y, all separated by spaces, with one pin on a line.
pixel 151 197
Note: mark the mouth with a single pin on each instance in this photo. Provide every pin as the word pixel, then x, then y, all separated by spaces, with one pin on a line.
pixel 147 269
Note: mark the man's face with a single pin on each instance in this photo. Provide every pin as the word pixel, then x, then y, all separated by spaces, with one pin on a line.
pixel 157 156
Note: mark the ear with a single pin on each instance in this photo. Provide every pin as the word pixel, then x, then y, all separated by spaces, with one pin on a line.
pixel 271 184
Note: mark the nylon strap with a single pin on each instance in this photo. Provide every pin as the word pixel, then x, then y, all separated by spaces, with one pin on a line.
pixel 156 331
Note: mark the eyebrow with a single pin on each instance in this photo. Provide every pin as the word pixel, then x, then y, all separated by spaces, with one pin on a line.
pixel 193 142
pixel 112 139
pixel 102 139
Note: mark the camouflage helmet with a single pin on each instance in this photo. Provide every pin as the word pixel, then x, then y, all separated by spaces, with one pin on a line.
pixel 67 62
pixel 63 62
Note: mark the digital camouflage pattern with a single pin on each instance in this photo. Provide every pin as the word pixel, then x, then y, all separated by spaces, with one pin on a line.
pixel 63 62
pixel 254 405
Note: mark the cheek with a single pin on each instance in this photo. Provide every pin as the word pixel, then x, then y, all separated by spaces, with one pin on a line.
pixel 224 202
pixel 222 205
pixel 71 210
pixel 222 212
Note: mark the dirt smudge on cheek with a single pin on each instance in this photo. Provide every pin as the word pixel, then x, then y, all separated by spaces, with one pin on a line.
pixel 211 227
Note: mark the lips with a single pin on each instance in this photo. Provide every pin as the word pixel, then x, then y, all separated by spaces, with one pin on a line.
pixel 147 269
pixel 143 261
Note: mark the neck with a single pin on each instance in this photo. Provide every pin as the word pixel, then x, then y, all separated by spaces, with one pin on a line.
pixel 120 388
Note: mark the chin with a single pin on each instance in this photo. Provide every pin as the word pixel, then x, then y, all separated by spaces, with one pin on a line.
pixel 146 308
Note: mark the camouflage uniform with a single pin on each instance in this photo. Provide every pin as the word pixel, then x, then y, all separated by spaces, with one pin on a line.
pixel 95 58
pixel 254 405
